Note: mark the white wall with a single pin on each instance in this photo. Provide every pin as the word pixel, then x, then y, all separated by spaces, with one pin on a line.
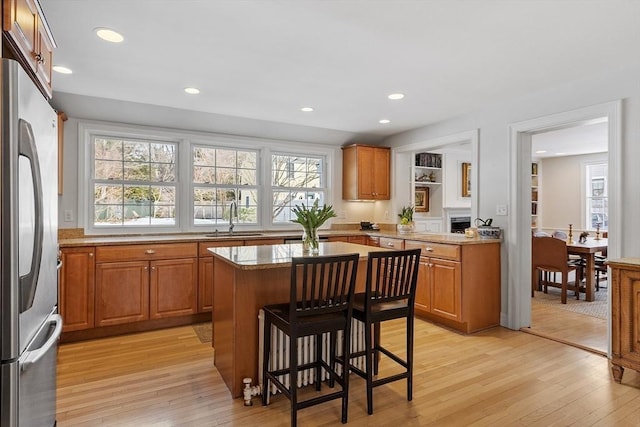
pixel 494 148
pixel 561 193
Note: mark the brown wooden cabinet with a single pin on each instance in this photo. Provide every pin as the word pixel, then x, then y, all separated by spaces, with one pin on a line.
pixel 366 172
pixel 141 282
pixel 122 292
pixel 458 284
pixel 205 272
pixel 77 288
pixel 29 40
pixel 625 316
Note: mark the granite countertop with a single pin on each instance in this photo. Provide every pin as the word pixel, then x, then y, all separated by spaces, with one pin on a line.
pixel 102 240
pixel 275 256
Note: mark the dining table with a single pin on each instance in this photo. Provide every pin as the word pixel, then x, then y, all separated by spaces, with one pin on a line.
pixel 588 250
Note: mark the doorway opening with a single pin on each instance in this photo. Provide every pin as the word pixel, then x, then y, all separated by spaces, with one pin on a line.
pixel 569 200
pixel 520 232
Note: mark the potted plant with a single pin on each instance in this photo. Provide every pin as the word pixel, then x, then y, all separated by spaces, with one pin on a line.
pixel 486 230
pixel 406 219
pixel 311 219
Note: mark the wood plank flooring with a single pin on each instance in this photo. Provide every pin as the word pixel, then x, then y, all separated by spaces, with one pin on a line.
pixel 577 329
pixel 495 377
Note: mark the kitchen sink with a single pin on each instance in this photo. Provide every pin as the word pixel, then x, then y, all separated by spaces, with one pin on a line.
pixel 235 233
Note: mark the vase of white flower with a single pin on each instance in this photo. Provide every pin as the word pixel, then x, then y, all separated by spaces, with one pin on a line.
pixel 311 219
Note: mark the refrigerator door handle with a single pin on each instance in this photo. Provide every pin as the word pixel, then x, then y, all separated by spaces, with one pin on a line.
pixel 29 281
pixel 30 357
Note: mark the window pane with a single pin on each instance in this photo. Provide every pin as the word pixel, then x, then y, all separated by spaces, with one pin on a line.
pixel 108 149
pixel 226 158
pixel 299 172
pixel 225 176
pixel 247 160
pixel 105 169
pixel 126 203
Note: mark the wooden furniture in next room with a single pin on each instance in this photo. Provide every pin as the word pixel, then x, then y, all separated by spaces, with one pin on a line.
pixel 625 316
pixel 588 251
pixel 549 255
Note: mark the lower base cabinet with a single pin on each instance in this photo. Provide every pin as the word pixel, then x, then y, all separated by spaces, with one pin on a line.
pixel 140 290
pixel 458 284
pixel 77 288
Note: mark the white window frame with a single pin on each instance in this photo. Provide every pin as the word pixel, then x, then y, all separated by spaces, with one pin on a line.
pixel 323 179
pixel 586 190
pixel 184 173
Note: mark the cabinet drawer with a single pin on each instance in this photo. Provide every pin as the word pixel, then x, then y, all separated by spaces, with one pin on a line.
pixel 146 252
pixel 437 250
pixel 203 246
pixel 390 243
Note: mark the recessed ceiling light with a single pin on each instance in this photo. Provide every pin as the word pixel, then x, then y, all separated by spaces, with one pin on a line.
pixel 109 35
pixel 560 154
pixel 396 96
pixel 62 70
pixel 384 121
pixel 541 151
pixel 306 109
pixel 192 90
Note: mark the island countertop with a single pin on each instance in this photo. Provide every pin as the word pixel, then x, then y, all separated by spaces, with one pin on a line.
pixel 275 256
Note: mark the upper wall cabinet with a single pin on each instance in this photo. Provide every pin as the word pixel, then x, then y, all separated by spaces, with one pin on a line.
pixel 365 172
pixel 26 37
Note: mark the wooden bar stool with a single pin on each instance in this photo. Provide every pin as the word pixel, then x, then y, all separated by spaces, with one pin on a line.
pixel 390 294
pixel 321 300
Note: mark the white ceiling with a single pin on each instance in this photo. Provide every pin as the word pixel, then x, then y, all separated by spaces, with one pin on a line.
pixel 581 138
pixel 265 59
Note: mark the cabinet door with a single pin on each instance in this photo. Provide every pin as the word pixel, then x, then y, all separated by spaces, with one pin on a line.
pixel 380 173
pixel 122 292
pixel 423 290
pixel 205 284
pixel 366 167
pixel 445 279
pixel 173 288
pixel 44 57
pixel 20 21
pixel 77 288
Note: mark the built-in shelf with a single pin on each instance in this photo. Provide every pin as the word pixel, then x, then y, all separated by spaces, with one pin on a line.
pixel 535 208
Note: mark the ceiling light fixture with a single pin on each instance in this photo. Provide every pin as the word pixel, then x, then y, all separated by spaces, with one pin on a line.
pixel 109 35
pixel 541 151
pixel 306 109
pixel 396 96
pixel 192 90
pixel 560 154
pixel 384 121
pixel 62 70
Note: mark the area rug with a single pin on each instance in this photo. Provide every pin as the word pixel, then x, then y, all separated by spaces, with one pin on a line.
pixel 203 331
pixel 597 308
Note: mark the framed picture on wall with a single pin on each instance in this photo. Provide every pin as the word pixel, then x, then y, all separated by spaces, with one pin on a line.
pixel 422 199
pixel 466 180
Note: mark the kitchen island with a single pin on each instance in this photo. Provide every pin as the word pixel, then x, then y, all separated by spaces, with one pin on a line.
pixel 246 279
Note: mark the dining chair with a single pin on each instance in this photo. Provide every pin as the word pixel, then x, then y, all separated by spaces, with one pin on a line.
pixel 389 294
pixel 320 302
pixel 549 255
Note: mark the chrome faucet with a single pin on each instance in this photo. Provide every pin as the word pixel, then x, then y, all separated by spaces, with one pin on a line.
pixel 233 212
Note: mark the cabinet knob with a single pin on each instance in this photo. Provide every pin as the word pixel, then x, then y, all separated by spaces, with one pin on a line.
pixel 146 268
pixel 390 244
pixel 40 59
pixel 149 252
pixel 428 249
pixel 90 254
pixel 153 268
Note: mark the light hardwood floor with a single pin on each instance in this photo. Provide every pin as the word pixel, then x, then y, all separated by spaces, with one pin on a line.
pixel 496 377
pixel 568 327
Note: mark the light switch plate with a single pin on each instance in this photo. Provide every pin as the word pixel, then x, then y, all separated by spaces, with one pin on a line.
pixel 501 210
pixel 68 215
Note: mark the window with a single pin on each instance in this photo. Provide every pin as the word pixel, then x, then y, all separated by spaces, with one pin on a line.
pixel 222 176
pixel 597 202
pixel 134 182
pixel 295 180
pixel 135 179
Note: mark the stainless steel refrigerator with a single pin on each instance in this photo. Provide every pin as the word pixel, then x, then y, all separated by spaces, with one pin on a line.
pixel 29 323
